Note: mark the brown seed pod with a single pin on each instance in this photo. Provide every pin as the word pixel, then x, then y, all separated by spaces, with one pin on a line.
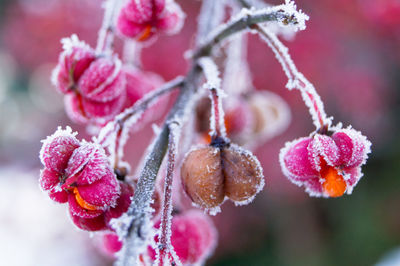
pixel 202 177
pixel 209 174
pixel 243 174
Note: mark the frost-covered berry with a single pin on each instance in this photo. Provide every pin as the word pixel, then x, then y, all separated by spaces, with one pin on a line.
pixel 211 173
pixel 193 237
pixel 110 244
pixel 143 19
pixel 93 85
pixel 79 173
pixel 325 165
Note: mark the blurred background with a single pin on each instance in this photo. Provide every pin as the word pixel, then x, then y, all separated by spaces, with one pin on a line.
pixel 350 51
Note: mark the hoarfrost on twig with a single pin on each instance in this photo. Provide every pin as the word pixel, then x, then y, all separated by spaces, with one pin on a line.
pixel 296 80
pixel 217 122
pixel 165 247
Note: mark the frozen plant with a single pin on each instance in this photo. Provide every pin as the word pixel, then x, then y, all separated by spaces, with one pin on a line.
pixel 135 215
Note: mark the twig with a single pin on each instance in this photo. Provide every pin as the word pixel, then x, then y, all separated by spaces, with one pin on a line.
pixel 106 32
pixel 110 135
pixel 165 246
pixel 244 21
pixel 297 80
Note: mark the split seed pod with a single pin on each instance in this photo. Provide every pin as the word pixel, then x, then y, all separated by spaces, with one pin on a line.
pixel 210 174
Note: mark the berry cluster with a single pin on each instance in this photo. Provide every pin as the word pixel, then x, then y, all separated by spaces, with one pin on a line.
pixel 101 90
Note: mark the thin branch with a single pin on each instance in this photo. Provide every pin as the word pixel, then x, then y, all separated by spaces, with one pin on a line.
pixel 114 134
pixel 245 20
pixel 297 80
pixel 165 248
pixel 217 122
pixel 106 32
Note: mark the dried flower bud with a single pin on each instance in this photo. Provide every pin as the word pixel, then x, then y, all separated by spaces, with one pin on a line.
pixel 209 174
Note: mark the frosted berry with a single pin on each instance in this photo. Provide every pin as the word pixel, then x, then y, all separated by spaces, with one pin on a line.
pixel 79 173
pixel 211 173
pixel 94 85
pixel 326 165
pixel 110 244
pixel 144 18
pixel 193 237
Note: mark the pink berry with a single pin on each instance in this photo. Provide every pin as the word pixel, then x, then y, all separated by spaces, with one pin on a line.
pixel 110 244
pixel 193 237
pixel 144 18
pixel 94 86
pixel 326 165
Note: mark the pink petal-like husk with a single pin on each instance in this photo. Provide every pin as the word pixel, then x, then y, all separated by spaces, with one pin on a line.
pixel 206 230
pixel 123 202
pixel 74 108
pixel 193 237
pixel 103 81
pixel 57 150
pixel 313 187
pixel 59 196
pixel 76 210
pixel 171 21
pixel 352 176
pixel 353 146
pixel 104 110
pixel 142 11
pixel 89 224
pixel 76 60
pixel 82 110
pixel 103 192
pixel 295 161
pixel 127 27
pixel 87 164
pixel 323 146
pixel 48 178
pixel 111 244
